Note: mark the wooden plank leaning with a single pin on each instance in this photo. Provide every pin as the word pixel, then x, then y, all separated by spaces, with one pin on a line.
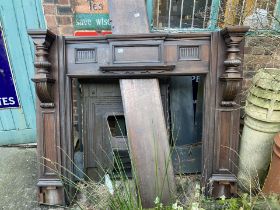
pixel 147 134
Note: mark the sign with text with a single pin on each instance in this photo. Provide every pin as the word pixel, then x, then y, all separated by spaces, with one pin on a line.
pixel 92 22
pixel 8 95
pixel 92 15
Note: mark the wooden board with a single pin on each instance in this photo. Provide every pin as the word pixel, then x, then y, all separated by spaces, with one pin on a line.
pixel 148 139
pixel 128 17
pixel 147 134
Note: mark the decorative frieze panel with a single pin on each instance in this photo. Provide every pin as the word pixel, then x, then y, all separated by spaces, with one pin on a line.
pixel 188 53
pixel 126 53
pixel 86 55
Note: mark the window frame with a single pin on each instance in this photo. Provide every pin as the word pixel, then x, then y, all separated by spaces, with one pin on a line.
pixel 213 20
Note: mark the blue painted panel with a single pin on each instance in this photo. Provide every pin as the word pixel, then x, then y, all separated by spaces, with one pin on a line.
pixel 1 125
pixel 16 16
pixel 8 95
pixel 16 136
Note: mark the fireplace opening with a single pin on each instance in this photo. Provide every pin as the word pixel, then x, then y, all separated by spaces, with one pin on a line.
pixel 102 133
pixel 117 126
pixel 117 137
pixel 186 111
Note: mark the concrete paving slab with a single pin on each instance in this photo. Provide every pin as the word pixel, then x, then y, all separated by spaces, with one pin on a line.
pixel 18 177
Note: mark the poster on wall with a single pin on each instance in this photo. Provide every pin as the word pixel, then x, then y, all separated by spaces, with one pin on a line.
pixel 8 95
pixel 92 15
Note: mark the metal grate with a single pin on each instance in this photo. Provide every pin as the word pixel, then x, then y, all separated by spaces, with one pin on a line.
pixel 209 14
pixel 189 53
pixel 182 14
pixel 85 55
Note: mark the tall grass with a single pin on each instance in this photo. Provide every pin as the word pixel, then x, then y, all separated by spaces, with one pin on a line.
pixel 91 195
pixel 120 192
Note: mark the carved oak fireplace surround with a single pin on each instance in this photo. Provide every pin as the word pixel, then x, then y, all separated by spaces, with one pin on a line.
pixel 215 55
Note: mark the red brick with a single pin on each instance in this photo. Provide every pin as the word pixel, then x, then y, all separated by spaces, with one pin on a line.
pixel 247 50
pixel 246 84
pixel 51 21
pixel 64 10
pixel 66 30
pixel 64 20
pixel 50 1
pixel 49 9
pixel 63 2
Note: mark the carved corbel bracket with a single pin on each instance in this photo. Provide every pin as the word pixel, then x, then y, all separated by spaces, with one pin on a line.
pixel 43 79
pixel 232 75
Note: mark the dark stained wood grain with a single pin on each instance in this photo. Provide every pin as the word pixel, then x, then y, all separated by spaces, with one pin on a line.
pixel 128 17
pixel 148 140
pixel 227 113
pixel 49 140
pixel 143 107
pixel 147 134
pixel 167 55
pixel 50 187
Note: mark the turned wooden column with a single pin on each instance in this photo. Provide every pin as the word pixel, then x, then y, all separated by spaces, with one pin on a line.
pixel 227 112
pixel 50 189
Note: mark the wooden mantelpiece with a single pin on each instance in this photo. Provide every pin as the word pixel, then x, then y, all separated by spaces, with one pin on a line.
pixel 214 55
pixel 49 142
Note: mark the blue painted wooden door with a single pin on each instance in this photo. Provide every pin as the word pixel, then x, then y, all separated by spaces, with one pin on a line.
pixel 18 125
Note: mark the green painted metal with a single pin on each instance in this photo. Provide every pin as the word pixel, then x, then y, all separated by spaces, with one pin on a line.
pixel 276 21
pixel 150 7
pixel 214 15
pixel 213 25
pixel 16 16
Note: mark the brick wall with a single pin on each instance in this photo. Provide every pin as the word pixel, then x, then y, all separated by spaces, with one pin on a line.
pixel 59 16
pixel 261 51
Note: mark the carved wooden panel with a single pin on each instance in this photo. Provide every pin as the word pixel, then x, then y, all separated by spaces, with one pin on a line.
pixel 223 141
pixel 49 143
pixel 146 57
pixel 86 55
pixel 232 76
pixel 128 52
pixel 188 52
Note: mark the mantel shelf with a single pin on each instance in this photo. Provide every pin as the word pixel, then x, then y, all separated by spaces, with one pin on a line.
pixel 134 67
